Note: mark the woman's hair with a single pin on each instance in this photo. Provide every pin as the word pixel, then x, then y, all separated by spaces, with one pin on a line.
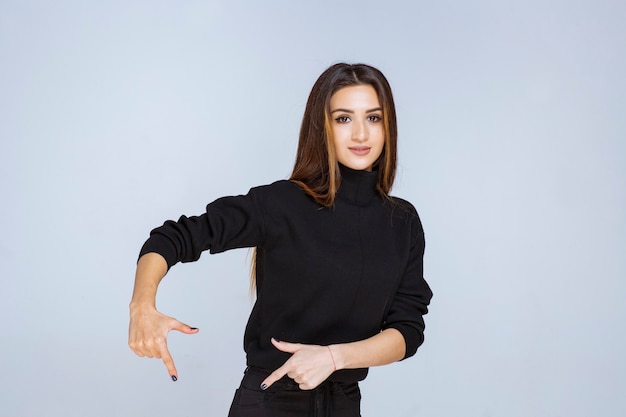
pixel 316 168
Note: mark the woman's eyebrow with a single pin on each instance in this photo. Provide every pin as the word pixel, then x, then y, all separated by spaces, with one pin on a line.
pixel 352 111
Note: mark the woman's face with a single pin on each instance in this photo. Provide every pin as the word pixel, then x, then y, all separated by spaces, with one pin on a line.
pixel 356 119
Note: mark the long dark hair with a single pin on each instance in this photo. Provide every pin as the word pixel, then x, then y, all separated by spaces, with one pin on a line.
pixel 316 168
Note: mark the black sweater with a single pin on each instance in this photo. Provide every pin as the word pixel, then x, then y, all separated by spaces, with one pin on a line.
pixel 324 275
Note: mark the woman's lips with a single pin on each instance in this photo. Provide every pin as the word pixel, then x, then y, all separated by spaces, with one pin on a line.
pixel 360 150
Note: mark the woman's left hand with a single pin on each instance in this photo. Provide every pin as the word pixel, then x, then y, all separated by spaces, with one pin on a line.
pixel 308 366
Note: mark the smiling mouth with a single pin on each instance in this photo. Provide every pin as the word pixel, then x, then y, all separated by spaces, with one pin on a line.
pixel 360 150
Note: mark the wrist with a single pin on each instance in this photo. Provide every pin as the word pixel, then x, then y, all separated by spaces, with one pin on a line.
pixel 332 357
pixel 337 353
pixel 138 306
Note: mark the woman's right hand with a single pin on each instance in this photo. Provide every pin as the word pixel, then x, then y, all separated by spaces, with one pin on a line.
pixel 147 335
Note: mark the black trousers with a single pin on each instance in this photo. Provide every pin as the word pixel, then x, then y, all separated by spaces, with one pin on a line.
pixel 285 399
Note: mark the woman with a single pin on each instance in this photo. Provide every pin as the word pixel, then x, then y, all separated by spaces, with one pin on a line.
pixel 338 269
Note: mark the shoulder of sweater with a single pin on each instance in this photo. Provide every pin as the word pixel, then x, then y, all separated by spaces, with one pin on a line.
pixel 276 188
pixel 405 205
pixel 279 192
pixel 404 209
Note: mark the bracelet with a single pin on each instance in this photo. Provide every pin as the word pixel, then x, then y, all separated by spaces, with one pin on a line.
pixel 333 358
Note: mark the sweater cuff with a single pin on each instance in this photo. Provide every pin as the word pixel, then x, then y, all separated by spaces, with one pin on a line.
pixel 413 338
pixel 162 246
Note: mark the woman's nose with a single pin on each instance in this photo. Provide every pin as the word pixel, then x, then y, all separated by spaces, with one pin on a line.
pixel 359 131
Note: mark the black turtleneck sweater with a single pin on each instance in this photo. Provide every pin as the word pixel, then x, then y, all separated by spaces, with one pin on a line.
pixel 325 275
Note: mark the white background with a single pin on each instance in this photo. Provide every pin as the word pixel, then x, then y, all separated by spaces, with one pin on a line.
pixel 117 115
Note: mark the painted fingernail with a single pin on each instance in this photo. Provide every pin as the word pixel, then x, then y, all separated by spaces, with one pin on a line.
pixel 193 328
pixel 174 378
pixel 263 387
pixel 276 340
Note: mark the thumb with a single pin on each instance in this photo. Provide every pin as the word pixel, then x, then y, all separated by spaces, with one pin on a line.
pixel 286 346
pixel 182 327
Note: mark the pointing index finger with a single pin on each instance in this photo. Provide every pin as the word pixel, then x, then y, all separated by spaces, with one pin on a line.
pixel 274 376
pixel 169 364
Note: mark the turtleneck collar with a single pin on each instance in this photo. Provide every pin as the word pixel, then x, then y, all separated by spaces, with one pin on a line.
pixel 357 187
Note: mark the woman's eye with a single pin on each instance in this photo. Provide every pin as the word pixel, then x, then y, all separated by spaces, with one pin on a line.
pixel 374 118
pixel 342 119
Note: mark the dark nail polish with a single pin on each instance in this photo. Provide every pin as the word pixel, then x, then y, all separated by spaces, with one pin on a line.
pixel 193 328
pixel 276 339
pixel 174 378
pixel 263 387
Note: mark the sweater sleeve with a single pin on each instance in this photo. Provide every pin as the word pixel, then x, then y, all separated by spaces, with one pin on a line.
pixel 413 295
pixel 228 223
